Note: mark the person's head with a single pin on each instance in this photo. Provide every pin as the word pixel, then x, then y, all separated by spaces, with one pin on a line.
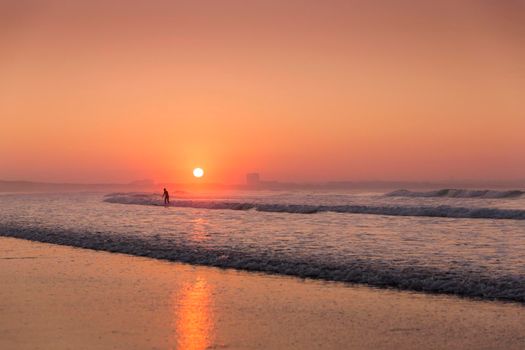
pixel 165 189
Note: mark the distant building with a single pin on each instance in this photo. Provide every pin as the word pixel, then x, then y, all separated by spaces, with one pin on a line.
pixel 253 179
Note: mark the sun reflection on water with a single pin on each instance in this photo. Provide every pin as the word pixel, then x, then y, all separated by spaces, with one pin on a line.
pixel 194 324
pixel 199 229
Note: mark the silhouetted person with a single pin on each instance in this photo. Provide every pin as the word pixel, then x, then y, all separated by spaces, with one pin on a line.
pixel 166 197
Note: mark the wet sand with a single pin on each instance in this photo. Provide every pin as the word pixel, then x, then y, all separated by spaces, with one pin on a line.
pixel 56 297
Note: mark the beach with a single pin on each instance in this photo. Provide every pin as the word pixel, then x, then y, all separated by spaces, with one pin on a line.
pixel 199 175
pixel 58 297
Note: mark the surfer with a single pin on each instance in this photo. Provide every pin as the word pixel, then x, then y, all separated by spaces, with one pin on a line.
pixel 166 197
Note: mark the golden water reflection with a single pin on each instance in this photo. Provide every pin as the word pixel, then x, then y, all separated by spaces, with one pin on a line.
pixel 194 322
pixel 199 229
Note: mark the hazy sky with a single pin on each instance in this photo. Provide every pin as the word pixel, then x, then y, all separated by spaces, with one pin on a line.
pixel 97 91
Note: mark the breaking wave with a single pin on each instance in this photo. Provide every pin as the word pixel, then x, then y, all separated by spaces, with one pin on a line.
pixel 442 211
pixel 459 280
pixel 459 193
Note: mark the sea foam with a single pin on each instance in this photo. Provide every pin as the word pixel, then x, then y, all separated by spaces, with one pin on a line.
pixel 459 281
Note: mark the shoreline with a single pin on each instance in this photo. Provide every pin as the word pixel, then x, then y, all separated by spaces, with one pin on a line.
pixel 481 290
pixel 58 297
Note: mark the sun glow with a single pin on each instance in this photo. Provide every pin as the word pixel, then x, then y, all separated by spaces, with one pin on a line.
pixel 198 172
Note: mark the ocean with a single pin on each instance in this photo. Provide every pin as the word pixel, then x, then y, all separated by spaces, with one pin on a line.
pixel 462 242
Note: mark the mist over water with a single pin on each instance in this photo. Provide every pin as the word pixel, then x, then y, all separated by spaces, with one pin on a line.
pixel 480 257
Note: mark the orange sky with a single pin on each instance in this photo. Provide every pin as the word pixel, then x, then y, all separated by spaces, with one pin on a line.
pixel 99 91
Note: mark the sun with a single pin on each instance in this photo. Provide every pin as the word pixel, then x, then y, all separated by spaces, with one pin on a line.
pixel 198 172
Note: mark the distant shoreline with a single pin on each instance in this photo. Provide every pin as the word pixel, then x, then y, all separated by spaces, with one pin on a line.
pixel 146 185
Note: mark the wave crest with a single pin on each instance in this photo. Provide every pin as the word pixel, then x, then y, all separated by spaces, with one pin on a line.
pixel 458 281
pixel 458 193
pixel 443 211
